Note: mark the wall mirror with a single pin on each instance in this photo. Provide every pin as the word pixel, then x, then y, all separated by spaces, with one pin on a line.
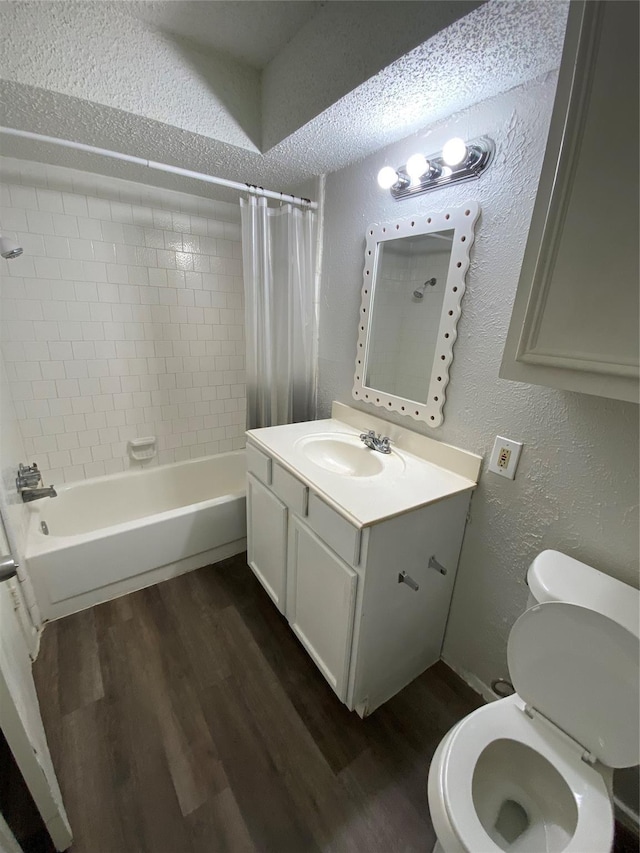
pixel 413 284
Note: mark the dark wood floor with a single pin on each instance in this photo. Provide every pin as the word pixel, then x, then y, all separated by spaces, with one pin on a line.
pixel 187 718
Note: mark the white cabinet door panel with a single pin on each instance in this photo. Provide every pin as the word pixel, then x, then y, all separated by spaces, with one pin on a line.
pixel 321 602
pixel 575 318
pixel 267 539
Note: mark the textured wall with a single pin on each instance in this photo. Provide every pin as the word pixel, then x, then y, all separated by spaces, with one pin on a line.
pixel 122 319
pixel 577 485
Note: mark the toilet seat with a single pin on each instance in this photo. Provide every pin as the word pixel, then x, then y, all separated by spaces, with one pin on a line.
pixel 507 720
pixel 581 670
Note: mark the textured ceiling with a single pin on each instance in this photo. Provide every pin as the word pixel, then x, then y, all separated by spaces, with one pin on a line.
pixel 342 47
pixel 494 48
pixel 103 53
pixel 251 31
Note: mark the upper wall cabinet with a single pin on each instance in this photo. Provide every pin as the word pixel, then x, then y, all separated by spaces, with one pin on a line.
pixel 575 318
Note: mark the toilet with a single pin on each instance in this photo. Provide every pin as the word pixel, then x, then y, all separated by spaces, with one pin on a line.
pixel 533 773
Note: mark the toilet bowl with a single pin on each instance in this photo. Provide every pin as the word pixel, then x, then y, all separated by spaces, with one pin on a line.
pixel 499 781
pixel 532 773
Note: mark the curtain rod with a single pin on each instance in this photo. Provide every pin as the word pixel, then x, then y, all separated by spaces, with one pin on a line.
pixel 160 167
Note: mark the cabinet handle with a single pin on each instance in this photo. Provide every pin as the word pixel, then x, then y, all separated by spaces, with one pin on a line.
pixel 434 564
pixel 403 577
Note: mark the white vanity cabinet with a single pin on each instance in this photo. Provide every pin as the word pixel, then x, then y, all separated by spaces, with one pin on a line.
pixel 340 585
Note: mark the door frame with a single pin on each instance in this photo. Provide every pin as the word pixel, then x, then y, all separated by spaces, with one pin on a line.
pixel 20 718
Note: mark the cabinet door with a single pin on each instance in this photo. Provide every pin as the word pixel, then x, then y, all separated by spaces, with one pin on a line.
pixel 321 603
pixel 267 539
pixel 401 629
pixel 575 318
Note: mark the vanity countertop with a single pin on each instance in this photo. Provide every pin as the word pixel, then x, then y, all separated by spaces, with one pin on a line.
pixel 419 471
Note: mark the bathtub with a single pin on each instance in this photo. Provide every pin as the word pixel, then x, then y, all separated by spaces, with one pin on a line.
pixel 115 534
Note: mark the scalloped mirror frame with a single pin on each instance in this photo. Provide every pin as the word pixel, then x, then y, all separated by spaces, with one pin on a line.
pixel 462 220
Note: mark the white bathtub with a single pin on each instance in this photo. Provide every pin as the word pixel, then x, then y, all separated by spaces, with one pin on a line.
pixel 115 534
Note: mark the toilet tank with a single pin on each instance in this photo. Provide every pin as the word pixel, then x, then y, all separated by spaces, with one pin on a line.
pixel 553 576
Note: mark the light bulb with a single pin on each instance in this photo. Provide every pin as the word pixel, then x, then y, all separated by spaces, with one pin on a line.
pixel 454 151
pixel 416 166
pixel 387 177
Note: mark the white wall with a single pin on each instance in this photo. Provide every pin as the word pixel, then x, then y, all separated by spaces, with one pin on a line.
pixel 122 319
pixel 577 485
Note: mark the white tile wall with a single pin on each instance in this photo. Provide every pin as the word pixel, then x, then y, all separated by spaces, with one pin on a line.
pixel 123 318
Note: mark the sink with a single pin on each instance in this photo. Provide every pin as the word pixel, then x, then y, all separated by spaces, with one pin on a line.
pixel 346 454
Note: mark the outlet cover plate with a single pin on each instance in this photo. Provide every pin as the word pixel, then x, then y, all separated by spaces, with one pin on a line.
pixel 505 457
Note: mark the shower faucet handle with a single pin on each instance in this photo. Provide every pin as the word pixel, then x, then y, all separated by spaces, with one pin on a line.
pixel 28 476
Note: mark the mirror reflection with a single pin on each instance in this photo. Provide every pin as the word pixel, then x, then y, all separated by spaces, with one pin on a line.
pixel 407 297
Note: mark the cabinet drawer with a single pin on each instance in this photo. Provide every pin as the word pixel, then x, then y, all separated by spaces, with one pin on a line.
pixel 289 489
pixel 259 463
pixel 336 531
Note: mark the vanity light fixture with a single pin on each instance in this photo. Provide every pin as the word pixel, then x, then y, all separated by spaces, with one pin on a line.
pixel 387 177
pixel 417 166
pixel 458 161
pixel 454 151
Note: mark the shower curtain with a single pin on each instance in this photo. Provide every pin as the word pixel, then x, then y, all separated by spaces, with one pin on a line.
pixel 278 255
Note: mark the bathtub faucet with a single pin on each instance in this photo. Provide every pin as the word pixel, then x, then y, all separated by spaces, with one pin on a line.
pixel 28 478
pixel 29 495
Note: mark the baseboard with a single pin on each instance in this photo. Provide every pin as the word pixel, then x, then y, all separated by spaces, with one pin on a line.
pixel 473 681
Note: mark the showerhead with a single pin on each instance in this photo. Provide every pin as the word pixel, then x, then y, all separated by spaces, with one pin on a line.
pixel 419 292
pixel 9 249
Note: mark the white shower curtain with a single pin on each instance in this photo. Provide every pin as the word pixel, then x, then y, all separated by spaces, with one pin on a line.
pixel 278 255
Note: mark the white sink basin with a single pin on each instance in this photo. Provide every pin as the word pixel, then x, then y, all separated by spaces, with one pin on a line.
pixel 364 485
pixel 345 454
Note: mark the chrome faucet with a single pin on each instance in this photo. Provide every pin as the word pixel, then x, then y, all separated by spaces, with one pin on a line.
pixel 29 495
pixel 28 478
pixel 381 443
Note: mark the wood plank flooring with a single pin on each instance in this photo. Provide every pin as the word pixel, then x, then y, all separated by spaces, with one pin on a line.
pixel 186 718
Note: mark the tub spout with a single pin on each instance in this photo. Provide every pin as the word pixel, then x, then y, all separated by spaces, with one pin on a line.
pixel 29 495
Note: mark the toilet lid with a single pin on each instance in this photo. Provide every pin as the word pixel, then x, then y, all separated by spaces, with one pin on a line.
pixel 581 671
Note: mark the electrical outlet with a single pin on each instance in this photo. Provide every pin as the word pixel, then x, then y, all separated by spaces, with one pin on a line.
pixel 505 457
